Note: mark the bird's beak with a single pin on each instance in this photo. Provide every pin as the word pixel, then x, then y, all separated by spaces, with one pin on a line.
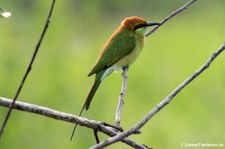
pixel 152 24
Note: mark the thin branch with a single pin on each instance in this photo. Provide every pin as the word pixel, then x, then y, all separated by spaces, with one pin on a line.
pixel 44 111
pixel 121 97
pixel 96 136
pixel 28 69
pixel 162 104
pixel 184 7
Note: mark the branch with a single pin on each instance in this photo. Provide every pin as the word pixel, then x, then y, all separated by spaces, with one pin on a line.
pixel 184 7
pixel 121 97
pixel 44 111
pixel 162 104
pixel 28 69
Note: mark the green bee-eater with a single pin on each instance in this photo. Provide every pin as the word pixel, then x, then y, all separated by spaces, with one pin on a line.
pixel 121 49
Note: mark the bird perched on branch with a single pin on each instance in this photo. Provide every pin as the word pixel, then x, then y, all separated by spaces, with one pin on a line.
pixel 121 50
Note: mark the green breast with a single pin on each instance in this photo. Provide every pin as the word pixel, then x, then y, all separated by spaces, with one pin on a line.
pixel 131 57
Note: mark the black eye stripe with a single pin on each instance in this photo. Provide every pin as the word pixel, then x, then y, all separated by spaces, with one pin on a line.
pixel 139 26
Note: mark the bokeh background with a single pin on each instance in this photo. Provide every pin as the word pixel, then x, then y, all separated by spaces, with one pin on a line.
pixel 70 48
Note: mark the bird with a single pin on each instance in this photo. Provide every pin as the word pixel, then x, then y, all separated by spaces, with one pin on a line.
pixel 121 50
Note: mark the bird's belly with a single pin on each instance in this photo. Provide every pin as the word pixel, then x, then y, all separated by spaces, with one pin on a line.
pixel 130 58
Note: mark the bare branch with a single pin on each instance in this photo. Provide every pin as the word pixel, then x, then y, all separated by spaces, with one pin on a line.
pixel 121 97
pixel 28 69
pixel 184 7
pixel 44 111
pixel 162 104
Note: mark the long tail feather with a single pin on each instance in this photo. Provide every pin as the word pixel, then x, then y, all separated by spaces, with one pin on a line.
pixel 87 102
pixel 91 94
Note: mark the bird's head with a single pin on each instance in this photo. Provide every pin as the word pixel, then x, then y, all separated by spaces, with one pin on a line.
pixel 136 24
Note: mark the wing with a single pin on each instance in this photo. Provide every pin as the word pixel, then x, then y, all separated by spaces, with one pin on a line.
pixel 119 45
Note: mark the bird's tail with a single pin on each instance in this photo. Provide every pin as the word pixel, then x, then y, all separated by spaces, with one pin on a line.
pixel 87 101
pixel 91 94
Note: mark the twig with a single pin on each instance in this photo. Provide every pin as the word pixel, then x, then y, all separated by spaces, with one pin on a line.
pixel 44 111
pixel 96 136
pixel 184 7
pixel 162 104
pixel 121 97
pixel 28 69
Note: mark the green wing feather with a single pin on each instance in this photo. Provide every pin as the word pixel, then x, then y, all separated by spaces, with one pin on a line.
pixel 119 45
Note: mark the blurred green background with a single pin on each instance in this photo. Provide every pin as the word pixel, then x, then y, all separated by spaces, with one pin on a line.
pixel 70 48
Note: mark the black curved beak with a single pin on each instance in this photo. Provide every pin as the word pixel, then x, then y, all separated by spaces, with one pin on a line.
pixel 152 24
